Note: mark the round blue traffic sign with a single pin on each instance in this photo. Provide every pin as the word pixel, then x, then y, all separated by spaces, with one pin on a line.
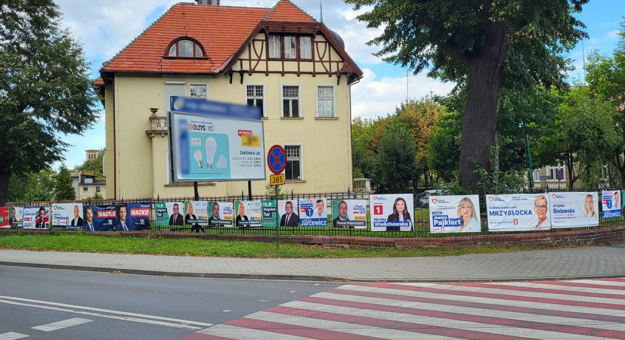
pixel 276 159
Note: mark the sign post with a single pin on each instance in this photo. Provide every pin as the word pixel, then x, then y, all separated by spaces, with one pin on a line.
pixel 276 160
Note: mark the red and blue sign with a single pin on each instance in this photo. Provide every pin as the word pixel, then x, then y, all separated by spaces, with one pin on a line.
pixel 276 159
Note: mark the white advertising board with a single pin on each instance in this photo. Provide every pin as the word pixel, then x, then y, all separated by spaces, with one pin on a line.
pixel 574 209
pixel 196 211
pixel 32 217
pixel 67 215
pixel 287 213
pixel 391 212
pixel 522 212
pixel 249 214
pixel 313 212
pixel 611 204
pixel 455 214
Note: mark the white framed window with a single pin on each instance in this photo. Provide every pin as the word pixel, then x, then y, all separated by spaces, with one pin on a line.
pixel 294 162
pixel 305 48
pixel 274 46
pixel 326 101
pixel 290 47
pixel 536 175
pixel 291 103
pixel 185 48
pixel 255 96
pixel 198 90
pixel 173 88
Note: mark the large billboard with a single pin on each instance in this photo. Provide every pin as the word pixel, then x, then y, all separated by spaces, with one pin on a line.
pixel 523 212
pixel 36 218
pixel 349 214
pixel 169 213
pixel 391 212
pixel 455 214
pixel 213 141
pixel 611 204
pixel 67 215
pixel 313 212
pixel 574 209
pixel 249 214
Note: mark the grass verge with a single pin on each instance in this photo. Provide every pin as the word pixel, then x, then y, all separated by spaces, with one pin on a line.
pixel 197 247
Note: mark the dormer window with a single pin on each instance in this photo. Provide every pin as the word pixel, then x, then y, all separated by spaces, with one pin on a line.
pixel 185 48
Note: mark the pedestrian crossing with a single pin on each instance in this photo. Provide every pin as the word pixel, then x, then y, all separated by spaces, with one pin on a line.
pixel 50 327
pixel 580 309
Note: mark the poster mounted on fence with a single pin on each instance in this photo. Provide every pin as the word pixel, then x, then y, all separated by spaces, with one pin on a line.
pixel 523 212
pixel 36 218
pixel 349 214
pixel 249 214
pixel 137 216
pixel 611 204
pixel 220 214
pixel 169 213
pixel 4 217
pixel 287 210
pixel 313 212
pixel 391 212
pixel 574 209
pixel 197 212
pixel 100 218
pixel 67 215
pixel 16 216
pixel 269 213
pixel 455 214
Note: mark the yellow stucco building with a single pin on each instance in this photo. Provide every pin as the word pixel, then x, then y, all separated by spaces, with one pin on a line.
pixel 279 59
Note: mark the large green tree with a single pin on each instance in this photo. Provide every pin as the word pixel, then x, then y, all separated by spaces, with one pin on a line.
pixel 45 90
pixel 93 166
pixel 63 188
pixel 485 44
pixel 395 164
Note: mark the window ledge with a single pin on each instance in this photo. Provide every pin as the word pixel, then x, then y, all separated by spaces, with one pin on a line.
pixel 295 181
pixel 326 118
pixel 291 118
pixel 201 184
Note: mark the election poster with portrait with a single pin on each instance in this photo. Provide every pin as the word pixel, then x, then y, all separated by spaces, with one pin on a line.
pixel 67 215
pixel 100 218
pixel 197 212
pixel 522 212
pixel 220 214
pixel 573 209
pixel 391 212
pixel 4 217
pixel 138 216
pixel 169 213
pixel 36 218
pixel 455 214
pixel 249 214
pixel 269 213
pixel 349 214
pixel 287 210
pixel 313 212
pixel 16 215
pixel 611 204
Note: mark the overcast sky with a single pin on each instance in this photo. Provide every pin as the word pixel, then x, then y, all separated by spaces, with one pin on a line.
pixel 105 27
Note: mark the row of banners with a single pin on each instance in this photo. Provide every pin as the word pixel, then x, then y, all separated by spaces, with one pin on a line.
pixel 448 214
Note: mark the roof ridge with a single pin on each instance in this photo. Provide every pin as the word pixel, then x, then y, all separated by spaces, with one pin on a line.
pixel 104 64
pixel 294 5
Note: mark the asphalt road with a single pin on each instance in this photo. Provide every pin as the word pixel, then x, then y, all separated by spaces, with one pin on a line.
pixel 93 305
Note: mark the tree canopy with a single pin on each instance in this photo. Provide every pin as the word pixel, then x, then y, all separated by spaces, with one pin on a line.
pixel 63 188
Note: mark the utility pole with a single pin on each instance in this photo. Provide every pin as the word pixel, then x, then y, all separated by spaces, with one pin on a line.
pixel 407 75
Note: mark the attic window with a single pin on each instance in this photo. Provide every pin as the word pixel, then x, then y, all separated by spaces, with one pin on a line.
pixel 185 48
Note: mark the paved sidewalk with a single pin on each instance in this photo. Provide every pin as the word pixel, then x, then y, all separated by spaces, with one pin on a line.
pixel 583 262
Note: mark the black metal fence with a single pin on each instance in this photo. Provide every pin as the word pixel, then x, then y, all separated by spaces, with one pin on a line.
pixel 420 216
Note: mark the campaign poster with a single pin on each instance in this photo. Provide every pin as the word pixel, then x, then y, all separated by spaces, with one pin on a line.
pixel 100 218
pixel 391 212
pixel 313 212
pixel 197 212
pixel 349 214
pixel 4 217
pixel 137 216
pixel 67 215
pixel 455 214
pixel 169 213
pixel 522 212
pixel 611 204
pixel 574 209
pixel 249 214
pixel 269 213
pixel 287 210
pixel 220 214
pixel 16 215
pixel 36 218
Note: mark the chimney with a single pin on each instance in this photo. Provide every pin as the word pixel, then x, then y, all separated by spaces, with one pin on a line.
pixel 208 2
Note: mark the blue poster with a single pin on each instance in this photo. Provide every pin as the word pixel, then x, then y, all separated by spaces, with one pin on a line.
pixel 611 204
pixel 137 216
pixel 100 218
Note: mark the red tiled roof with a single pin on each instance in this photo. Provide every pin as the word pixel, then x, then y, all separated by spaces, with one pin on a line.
pixel 287 11
pixel 99 81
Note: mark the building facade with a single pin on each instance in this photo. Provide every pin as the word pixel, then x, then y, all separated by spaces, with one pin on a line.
pixel 280 59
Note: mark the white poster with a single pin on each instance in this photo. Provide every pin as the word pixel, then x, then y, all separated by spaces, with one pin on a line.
pixel 349 214
pixel 220 214
pixel 249 214
pixel 196 212
pixel 67 215
pixel 611 204
pixel 574 209
pixel 391 212
pixel 287 212
pixel 36 218
pixel 455 214
pixel 313 212
pixel 523 212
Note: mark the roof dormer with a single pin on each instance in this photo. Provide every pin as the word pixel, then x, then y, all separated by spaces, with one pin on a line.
pixel 185 47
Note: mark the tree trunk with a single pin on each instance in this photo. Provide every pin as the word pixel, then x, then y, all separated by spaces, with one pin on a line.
pixel 5 176
pixel 479 120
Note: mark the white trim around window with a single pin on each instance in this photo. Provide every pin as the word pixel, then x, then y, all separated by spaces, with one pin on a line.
pixel 198 83
pixel 264 114
pixel 299 109
pixel 334 115
pixel 302 177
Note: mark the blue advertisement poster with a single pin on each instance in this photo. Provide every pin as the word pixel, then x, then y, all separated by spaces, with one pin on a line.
pixel 134 216
pixel 611 204
pixel 313 212
pixel 100 218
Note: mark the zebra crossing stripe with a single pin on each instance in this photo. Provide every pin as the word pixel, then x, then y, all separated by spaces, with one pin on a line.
pixel 12 336
pixel 55 326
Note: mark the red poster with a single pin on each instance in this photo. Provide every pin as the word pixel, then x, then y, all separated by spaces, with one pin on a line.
pixel 4 217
